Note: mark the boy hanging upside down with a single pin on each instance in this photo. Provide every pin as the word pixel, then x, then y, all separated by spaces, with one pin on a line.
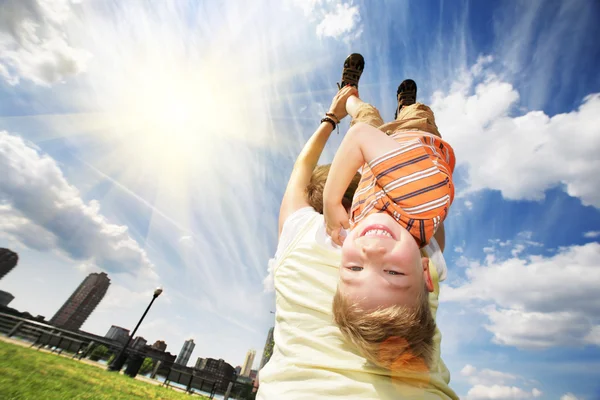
pixel 381 304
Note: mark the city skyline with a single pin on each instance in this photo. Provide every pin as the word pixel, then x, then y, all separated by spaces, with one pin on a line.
pixel 165 165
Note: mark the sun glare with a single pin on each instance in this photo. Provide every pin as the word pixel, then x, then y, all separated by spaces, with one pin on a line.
pixel 171 120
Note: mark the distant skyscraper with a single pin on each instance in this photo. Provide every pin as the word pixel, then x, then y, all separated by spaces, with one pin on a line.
pixel 8 260
pixel 268 351
pixel 117 333
pixel 82 302
pixel 247 367
pixel 5 298
pixel 138 343
pixel 160 345
pixel 186 352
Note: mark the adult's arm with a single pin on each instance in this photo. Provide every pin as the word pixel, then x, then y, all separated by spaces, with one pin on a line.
pixel 294 197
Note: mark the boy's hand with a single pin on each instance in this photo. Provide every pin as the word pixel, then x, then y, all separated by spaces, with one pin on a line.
pixel 336 218
pixel 338 104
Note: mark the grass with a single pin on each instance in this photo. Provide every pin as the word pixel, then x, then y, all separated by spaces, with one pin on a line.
pixel 29 374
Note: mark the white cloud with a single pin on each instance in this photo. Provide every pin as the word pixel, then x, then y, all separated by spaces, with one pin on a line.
pixel 336 20
pixel 491 384
pixel 458 249
pixel 340 22
pixel 594 336
pixel 469 204
pixel 536 301
pixel 591 234
pixel 485 376
pixel 568 396
pixel 40 209
pixel 33 42
pixel 521 156
pixel 499 392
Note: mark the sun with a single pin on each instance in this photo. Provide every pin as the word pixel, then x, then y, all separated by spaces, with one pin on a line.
pixel 170 119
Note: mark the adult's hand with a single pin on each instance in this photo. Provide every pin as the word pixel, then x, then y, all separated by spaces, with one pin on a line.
pixel 338 104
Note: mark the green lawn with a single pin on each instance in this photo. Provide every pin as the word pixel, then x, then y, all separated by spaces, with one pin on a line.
pixel 29 374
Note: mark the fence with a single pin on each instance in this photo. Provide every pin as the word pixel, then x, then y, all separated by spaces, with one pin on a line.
pixel 80 345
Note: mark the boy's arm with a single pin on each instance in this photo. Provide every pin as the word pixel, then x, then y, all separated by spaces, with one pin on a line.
pixel 440 237
pixel 294 197
pixel 362 144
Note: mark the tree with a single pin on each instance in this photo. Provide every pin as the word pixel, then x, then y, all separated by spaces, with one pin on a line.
pixel 98 353
pixel 147 366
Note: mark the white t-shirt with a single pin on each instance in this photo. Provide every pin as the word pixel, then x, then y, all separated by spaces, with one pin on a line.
pixel 310 358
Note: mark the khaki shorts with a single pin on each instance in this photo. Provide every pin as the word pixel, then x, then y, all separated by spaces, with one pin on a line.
pixel 417 116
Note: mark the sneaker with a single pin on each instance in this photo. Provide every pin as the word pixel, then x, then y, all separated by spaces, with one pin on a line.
pixel 353 69
pixel 406 94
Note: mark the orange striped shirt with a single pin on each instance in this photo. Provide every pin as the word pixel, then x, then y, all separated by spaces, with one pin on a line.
pixel 413 184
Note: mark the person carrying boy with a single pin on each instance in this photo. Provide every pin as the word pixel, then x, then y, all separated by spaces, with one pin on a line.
pixel 381 304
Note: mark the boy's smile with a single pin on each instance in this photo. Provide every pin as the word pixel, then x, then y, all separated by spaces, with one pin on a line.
pixel 381 264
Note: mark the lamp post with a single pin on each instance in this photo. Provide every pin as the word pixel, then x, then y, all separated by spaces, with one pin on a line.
pixel 120 359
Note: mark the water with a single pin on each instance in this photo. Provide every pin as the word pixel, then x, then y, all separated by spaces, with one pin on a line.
pixel 161 379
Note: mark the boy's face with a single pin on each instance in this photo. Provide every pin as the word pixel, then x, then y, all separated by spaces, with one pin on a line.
pixel 382 265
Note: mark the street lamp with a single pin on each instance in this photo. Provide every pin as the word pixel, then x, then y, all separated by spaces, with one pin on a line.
pixel 119 360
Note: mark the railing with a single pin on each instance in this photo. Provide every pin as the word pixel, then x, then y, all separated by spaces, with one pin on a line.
pixel 80 345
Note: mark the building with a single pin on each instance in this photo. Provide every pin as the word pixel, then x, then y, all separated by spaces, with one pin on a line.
pixel 8 260
pixel 160 345
pixel 82 302
pixel 247 367
pixel 268 351
pixel 117 333
pixel 253 374
pixel 200 363
pixel 218 370
pixel 186 352
pixel 238 370
pixel 5 298
pixel 138 343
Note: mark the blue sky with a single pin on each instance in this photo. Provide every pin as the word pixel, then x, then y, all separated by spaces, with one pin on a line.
pixel 153 141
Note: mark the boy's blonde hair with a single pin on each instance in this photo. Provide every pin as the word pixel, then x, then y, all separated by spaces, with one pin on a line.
pixel 396 337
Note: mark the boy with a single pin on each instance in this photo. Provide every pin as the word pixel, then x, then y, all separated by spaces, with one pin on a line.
pixel 403 198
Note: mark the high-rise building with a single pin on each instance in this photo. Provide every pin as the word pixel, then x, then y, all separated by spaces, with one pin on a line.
pixel 268 351
pixel 82 302
pixel 247 367
pixel 186 352
pixel 8 260
pixel 5 298
pixel 238 370
pixel 117 333
pixel 160 345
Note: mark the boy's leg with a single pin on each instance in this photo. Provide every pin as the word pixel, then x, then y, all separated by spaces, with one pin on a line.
pixel 418 116
pixel 363 112
pixel 356 108
pixel 412 114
